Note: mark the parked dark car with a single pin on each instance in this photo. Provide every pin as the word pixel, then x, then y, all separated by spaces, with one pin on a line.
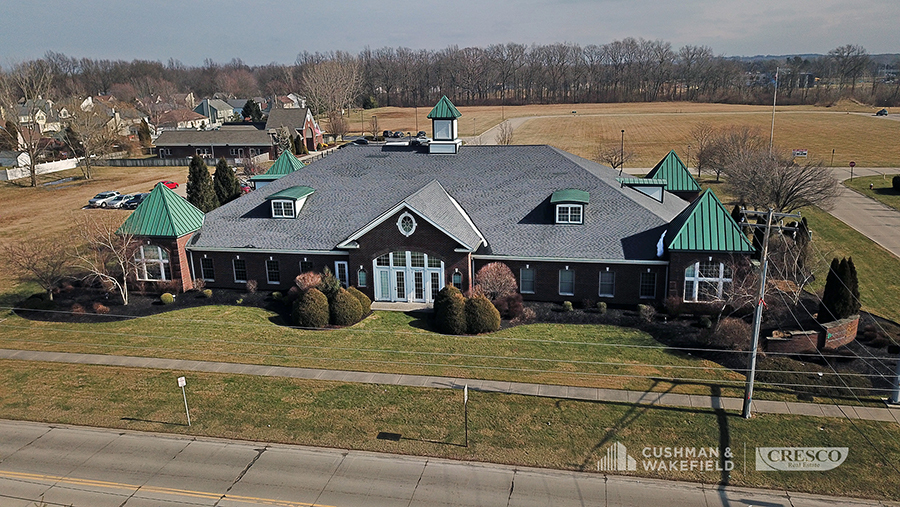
pixel 397 134
pixel 386 134
pixel 360 140
pixel 881 112
pixel 135 200
pixel 421 133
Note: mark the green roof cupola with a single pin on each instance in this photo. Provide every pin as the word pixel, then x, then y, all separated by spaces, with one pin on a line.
pixel 445 127
pixel 678 179
pixel 286 164
pixel 163 214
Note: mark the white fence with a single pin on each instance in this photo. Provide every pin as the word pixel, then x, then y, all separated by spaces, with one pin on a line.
pixel 15 173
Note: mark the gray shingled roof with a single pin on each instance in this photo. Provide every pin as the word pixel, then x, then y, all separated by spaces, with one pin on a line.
pixel 234 136
pixel 505 190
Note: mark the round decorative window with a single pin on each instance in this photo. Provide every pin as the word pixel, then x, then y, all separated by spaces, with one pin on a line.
pixel 407 224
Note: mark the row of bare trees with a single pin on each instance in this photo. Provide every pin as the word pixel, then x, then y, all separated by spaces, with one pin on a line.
pixel 623 70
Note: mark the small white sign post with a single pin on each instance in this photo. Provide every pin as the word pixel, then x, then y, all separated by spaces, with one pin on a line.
pixel 466 411
pixel 181 384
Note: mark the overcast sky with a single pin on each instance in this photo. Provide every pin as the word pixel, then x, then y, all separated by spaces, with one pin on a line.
pixel 264 31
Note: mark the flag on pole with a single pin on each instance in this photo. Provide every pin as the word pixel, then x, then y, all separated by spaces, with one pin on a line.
pixel 466 394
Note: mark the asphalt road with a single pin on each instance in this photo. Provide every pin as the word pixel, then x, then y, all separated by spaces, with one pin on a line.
pixel 78 466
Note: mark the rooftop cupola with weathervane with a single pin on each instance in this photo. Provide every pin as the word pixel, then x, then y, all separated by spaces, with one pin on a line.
pixel 445 128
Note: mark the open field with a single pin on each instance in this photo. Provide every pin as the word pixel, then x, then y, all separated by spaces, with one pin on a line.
pixel 652 129
pixel 530 431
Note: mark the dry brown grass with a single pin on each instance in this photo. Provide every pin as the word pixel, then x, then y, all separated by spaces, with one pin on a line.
pixel 652 129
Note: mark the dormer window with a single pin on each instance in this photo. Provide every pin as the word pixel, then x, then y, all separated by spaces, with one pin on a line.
pixel 443 130
pixel 569 205
pixel 568 214
pixel 288 202
pixel 283 209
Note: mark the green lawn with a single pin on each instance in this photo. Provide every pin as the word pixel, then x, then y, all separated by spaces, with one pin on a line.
pixel 512 429
pixel 882 190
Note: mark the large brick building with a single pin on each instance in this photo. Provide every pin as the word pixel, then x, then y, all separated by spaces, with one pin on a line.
pixel 400 222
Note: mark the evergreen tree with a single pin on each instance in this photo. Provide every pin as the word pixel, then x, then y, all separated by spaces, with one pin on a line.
pixel 144 134
pixel 831 294
pixel 225 184
pixel 853 284
pixel 251 110
pixel 200 190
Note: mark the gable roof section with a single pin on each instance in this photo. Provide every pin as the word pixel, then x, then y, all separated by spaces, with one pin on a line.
pixel 673 170
pixel 436 206
pixel 444 110
pixel 706 226
pixel 286 164
pixel 163 214
pixel 226 136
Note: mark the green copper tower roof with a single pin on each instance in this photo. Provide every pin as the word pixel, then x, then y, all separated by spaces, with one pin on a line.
pixel 444 110
pixel 673 170
pixel 163 214
pixel 286 164
pixel 705 226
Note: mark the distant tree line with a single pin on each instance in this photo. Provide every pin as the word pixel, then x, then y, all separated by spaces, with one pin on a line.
pixel 625 70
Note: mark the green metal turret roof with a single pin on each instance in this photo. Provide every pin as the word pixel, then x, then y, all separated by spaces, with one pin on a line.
pixel 286 164
pixel 570 195
pixel 444 110
pixel 673 170
pixel 706 226
pixel 163 214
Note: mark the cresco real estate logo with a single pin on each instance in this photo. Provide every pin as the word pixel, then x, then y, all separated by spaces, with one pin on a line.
pixel 800 459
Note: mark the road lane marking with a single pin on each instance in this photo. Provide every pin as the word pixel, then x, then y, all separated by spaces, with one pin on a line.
pixel 72 481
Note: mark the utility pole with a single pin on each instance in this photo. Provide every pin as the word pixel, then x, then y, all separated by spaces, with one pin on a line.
pixel 774 101
pixel 760 302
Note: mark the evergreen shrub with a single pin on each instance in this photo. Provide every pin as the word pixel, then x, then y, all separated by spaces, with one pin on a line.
pixel 311 310
pixel 344 308
pixel 481 316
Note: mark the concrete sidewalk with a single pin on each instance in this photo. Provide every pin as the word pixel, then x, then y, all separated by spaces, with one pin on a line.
pixel 488 386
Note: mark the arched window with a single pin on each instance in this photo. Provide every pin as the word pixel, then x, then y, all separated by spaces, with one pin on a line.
pixel 706 281
pixel 152 263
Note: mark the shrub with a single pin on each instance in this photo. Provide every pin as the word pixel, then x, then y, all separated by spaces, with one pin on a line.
pixel 705 322
pixel 567 306
pixel 329 285
pixel 344 308
pixel 895 183
pixel 164 286
pixel 100 308
pixel 674 306
pixel 496 280
pixel 77 308
pixel 251 286
pixel 311 310
pixel 199 283
pixel 733 334
pixel 646 312
pixel 307 280
pixel 528 315
pixel 238 301
pixel 481 316
pixel 510 307
pixel 277 296
pixel 364 302
pixel 167 298
pixel 601 307
pixel 292 294
pixel 207 293
pixel 38 302
pixel 449 311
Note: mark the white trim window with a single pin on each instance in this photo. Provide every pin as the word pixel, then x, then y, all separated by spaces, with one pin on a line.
pixel 273 274
pixel 283 208
pixel 152 263
pixel 457 280
pixel 607 284
pixel 341 273
pixel 240 270
pixel 207 271
pixel 648 285
pixel 706 281
pixel 569 214
pixel 526 280
pixel 566 282
pixel 407 224
pixel 362 279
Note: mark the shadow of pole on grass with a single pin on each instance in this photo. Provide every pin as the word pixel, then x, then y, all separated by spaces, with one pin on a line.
pixel 396 437
pixel 135 419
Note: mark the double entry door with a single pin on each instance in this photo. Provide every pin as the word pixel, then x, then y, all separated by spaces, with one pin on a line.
pixel 408 277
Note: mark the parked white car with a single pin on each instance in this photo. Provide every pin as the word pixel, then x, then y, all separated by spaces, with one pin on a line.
pixel 118 201
pixel 102 199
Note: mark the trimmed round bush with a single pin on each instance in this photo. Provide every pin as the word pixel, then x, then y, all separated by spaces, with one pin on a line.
pixel 567 306
pixel 510 307
pixel 364 302
pixel 601 307
pixel 345 309
pixel 277 296
pixel 481 316
pixel 167 298
pixel 311 310
pixel 450 311
pixel 207 293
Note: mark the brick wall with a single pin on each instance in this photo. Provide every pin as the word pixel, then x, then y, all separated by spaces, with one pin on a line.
pixel 838 333
pixel 288 267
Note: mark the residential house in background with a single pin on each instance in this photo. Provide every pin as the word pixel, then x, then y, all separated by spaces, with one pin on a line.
pixel 180 119
pixel 297 122
pixel 230 141
pixel 218 111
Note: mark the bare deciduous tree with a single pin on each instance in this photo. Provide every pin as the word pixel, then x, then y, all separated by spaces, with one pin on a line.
pixel 23 94
pixel 44 261
pixel 505 134
pixel 703 136
pixel 332 84
pixel 106 253
pixel 613 155
pixel 92 138
pixel 776 181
